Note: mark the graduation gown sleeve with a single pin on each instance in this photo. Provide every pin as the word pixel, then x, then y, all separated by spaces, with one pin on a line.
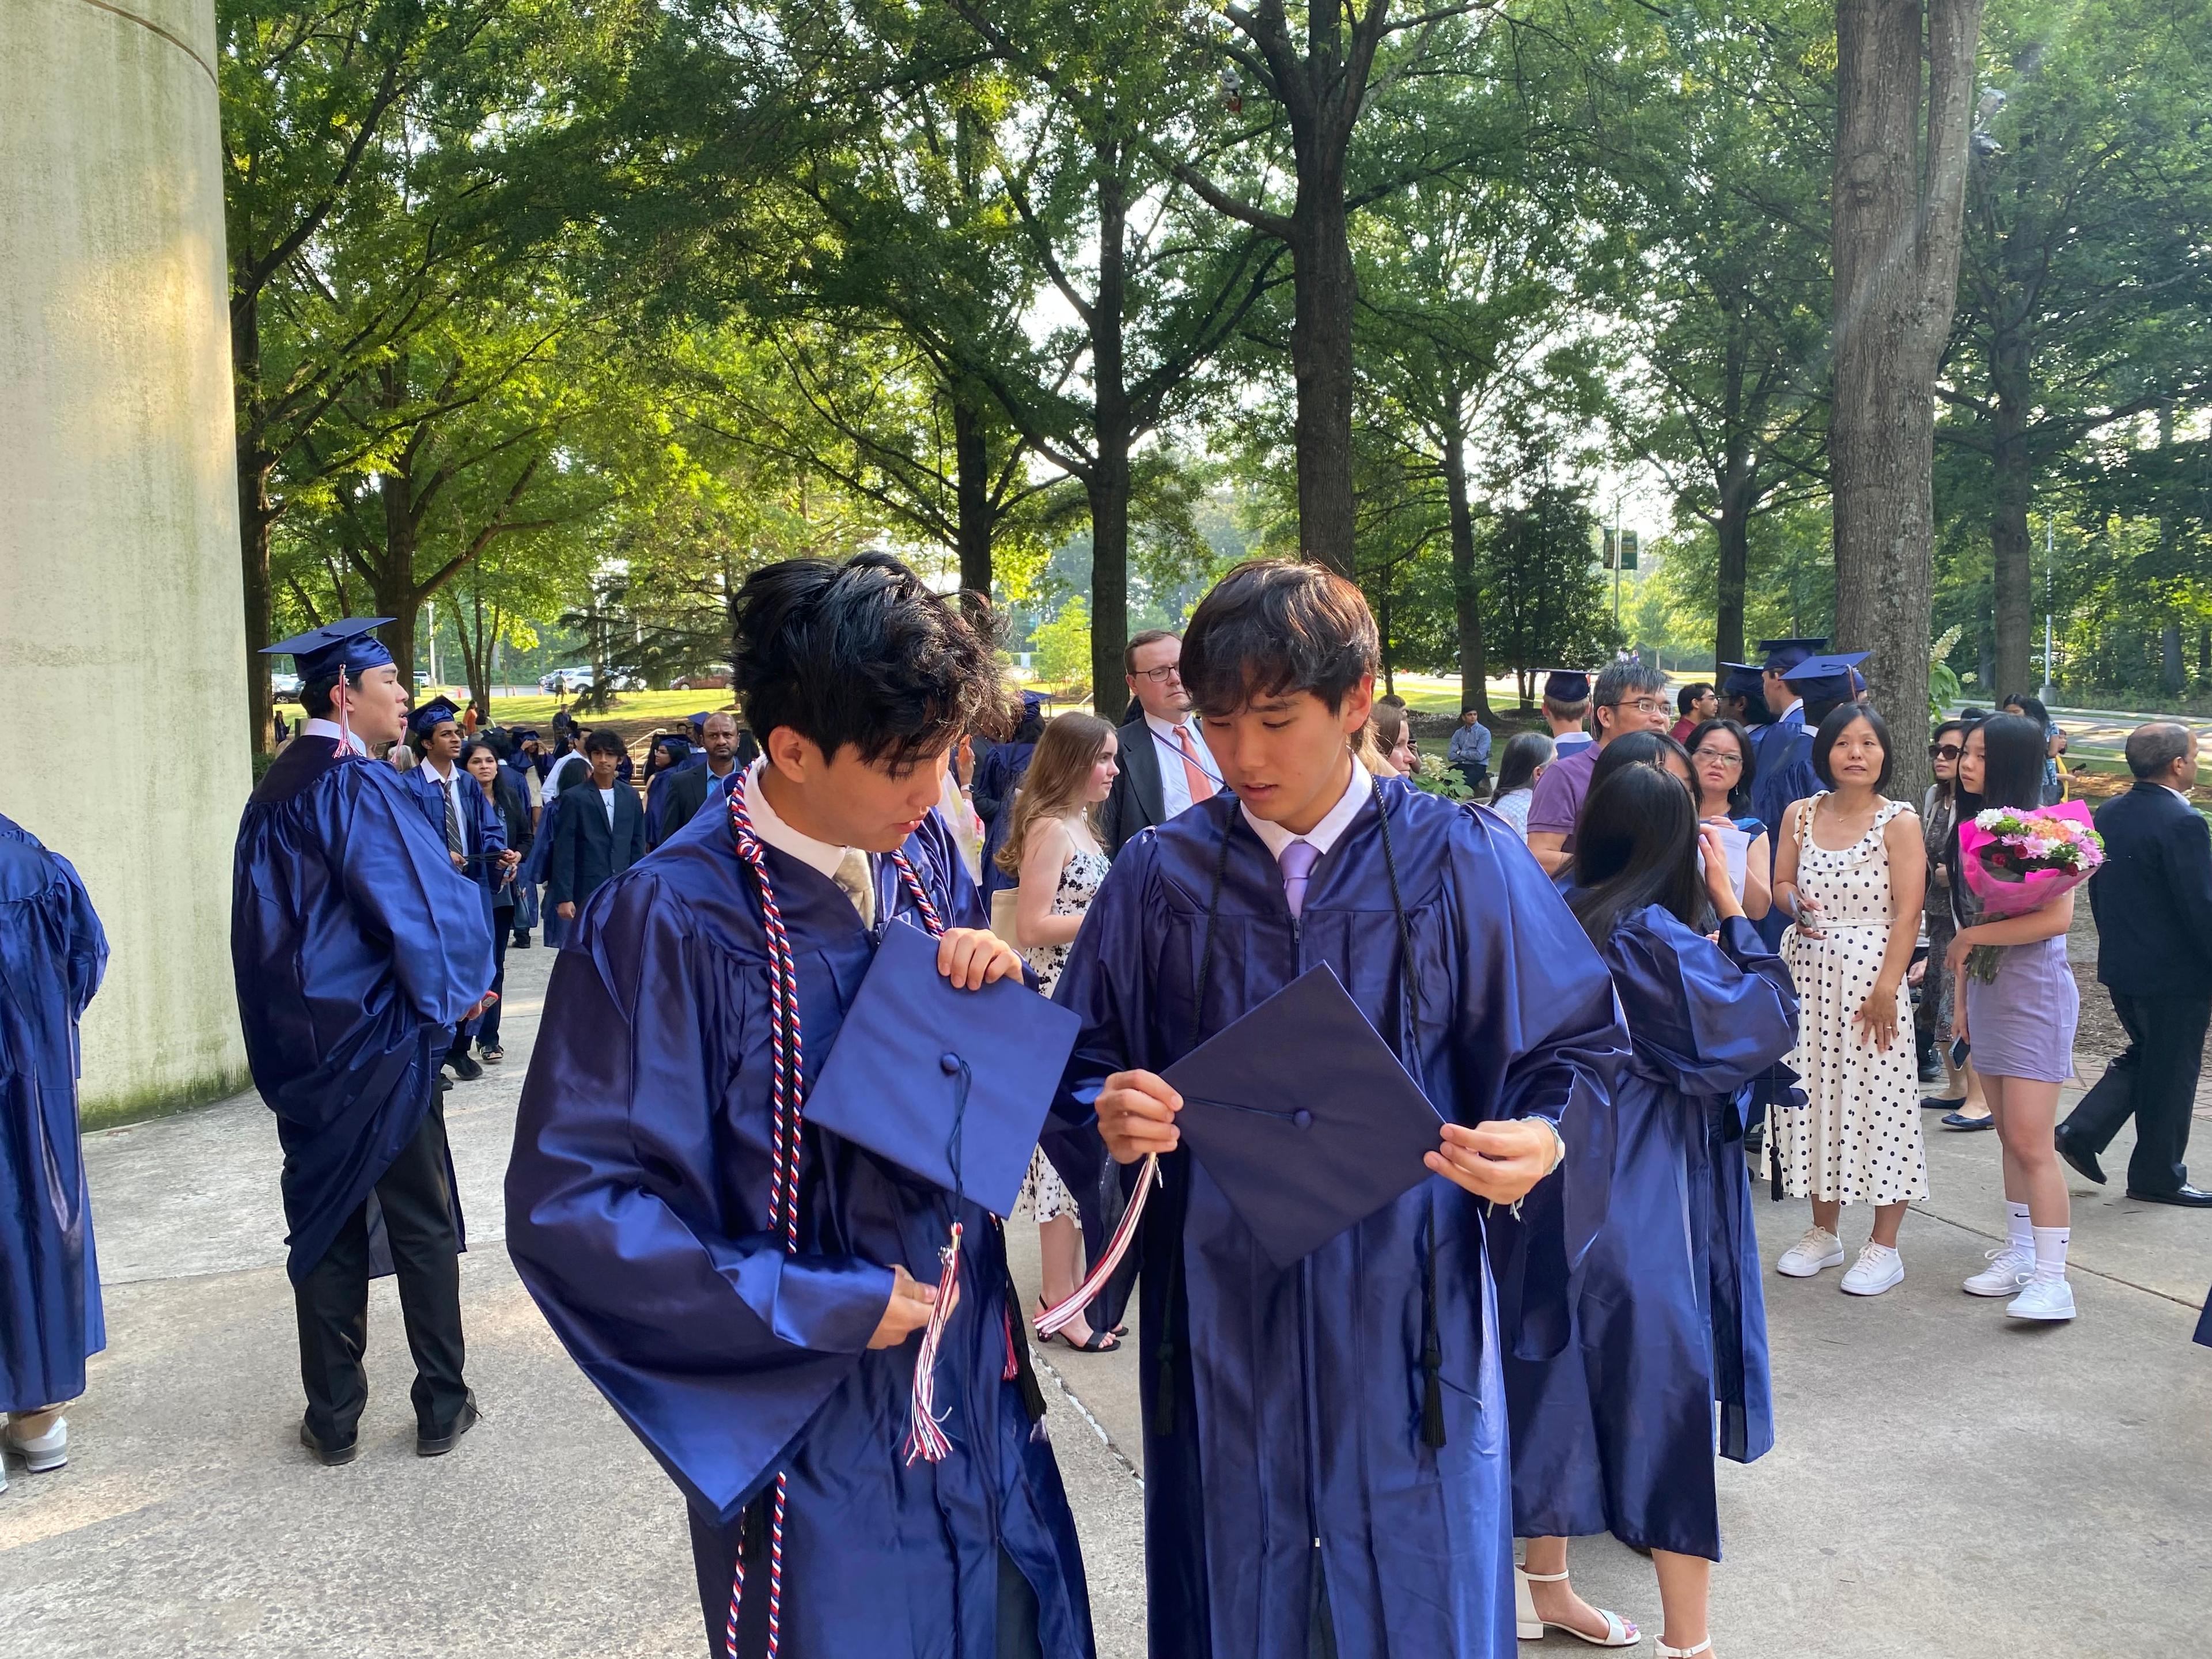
pixel 713 1345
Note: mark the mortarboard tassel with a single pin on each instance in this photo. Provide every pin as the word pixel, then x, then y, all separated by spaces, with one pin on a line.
pixel 1055 1319
pixel 926 1439
pixel 345 722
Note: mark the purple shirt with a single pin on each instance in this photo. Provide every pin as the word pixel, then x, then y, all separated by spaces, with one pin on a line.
pixel 1560 792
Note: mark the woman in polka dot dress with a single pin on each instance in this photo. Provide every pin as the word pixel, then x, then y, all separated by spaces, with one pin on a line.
pixel 1851 873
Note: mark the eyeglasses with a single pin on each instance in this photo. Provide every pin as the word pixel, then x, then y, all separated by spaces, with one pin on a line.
pixel 1718 757
pixel 1159 675
pixel 1945 751
pixel 1642 706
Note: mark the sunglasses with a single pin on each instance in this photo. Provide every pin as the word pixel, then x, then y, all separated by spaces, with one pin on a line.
pixel 1945 751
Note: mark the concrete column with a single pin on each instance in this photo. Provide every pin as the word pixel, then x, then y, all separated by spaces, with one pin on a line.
pixel 123 744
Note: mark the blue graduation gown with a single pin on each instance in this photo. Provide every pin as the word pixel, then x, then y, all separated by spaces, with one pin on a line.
pixel 637 1204
pixel 654 829
pixel 357 947
pixel 52 953
pixel 1284 1406
pixel 487 835
pixel 1615 1434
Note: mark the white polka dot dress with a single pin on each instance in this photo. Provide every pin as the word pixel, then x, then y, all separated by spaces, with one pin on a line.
pixel 1857 1138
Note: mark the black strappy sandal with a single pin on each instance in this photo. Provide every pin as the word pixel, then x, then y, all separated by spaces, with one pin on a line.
pixel 1100 1342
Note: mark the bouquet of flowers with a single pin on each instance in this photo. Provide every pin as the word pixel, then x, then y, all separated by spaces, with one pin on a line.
pixel 2020 859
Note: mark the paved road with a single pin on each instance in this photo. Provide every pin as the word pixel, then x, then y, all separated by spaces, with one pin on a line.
pixel 1945 1484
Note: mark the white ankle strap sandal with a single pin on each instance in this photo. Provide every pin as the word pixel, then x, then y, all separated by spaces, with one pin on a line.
pixel 1618 1632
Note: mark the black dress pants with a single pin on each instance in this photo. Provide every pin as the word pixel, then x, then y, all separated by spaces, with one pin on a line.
pixel 714 1562
pixel 332 1301
pixel 2156 1081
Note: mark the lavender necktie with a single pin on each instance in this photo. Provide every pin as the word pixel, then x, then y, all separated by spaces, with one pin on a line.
pixel 1298 861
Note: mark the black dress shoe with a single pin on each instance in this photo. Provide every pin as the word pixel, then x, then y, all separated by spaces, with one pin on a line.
pixel 329 1457
pixel 2188 1197
pixel 521 941
pixel 437 1445
pixel 2083 1161
pixel 463 1067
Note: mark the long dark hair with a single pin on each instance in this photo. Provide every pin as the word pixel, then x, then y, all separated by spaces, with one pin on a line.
pixel 1636 844
pixel 1516 766
pixel 1741 795
pixel 2012 764
pixel 1648 749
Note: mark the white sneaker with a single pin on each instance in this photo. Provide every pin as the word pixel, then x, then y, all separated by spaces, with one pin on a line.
pixel 2043 1299
pixel 2008 1271
pixel 1878 1269
pixel 1818 1249
pixel 45 1454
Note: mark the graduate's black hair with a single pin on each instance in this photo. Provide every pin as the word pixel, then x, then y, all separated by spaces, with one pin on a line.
pixel 1274 627
pixel 1648 749
pixel 1837 720
pixel 863 653
pixel 604 742
pixel 2012 763
pixel 318 698
pixel 1517 766
pixel 1636 844
pixel 1740 796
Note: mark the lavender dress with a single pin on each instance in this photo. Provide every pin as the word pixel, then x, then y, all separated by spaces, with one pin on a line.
pixel 2021 1025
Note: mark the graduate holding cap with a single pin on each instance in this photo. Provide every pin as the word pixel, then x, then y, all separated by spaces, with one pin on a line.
pixel 784 1078
pixel 358 948
pixel 1324 1472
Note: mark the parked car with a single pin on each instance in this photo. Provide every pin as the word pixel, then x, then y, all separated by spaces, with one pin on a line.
pixel 566 680
pixel 284 685
pixel 716 678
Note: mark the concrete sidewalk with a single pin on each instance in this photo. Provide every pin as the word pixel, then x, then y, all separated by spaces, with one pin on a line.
pixel 1947 1481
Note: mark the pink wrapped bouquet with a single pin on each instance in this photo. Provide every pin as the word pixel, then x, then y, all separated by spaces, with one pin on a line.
pixel 2017 860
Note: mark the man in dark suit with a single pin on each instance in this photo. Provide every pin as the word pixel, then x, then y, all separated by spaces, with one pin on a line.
pixel 686 789
pixel 1165 766
pixel 2152 901
pixel 601 831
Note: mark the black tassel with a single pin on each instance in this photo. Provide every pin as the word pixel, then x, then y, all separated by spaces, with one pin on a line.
pixel 1019 1342
pixel 752 1530
pixel 1432 1403
pixel 1432 1352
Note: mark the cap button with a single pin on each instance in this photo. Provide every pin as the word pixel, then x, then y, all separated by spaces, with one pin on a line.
pixel 949 1061
pixel 1302 1118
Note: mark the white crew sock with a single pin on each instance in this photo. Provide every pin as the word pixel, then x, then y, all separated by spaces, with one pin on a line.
pixel 2018 1229
pixel 2051 1252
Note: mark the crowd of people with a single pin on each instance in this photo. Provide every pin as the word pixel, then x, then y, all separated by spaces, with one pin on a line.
pixel 1669 949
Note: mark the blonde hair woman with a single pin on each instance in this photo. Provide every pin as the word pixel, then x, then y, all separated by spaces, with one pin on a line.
pixel 1056 855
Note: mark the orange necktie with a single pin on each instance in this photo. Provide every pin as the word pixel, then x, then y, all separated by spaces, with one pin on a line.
pixel 1202 786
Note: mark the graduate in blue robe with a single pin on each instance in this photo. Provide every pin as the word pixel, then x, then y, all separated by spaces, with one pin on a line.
pixel 639 1195
pixel 358 950
pixel 1616 1432
pixel 52 953
pixel 1325 1450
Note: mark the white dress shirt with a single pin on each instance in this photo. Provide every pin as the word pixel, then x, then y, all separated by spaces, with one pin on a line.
pixel 451 783
pixel 1175 783
pixel 1326 834
pixel 607 800
pixel 796 843
pixel 322 728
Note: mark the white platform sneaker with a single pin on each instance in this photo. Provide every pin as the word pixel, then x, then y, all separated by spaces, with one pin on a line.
pixel 2043 1299
pixel 1818 1249
pixel 45 1454
pixel 1878 1269
pixel 2008 1271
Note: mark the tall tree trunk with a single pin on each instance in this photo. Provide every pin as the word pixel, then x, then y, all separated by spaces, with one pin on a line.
pixel 1738 496
pixel 256 517
pixel 392 572
pixel 1895 235
pixel 1321 362
pixel 1383 629
pixel 2012 556
pixel 1106 483
pixel 1467 589
pixel 972 462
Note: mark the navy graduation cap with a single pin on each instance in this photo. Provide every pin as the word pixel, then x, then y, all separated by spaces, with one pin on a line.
pixel 1304 1117
pixel 950 1085
pixel 1567 685
pixel 1835 666
pixel 1783 655
pixel 1743 679
pixel 432 715
pixel 320 653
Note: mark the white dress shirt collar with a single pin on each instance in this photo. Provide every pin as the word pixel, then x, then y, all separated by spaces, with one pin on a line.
pixel 323 728
pixel 1797 708
pixel 1326 834
pixel 2179 796
pixel 772 829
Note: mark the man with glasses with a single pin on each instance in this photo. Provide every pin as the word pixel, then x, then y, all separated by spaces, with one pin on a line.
pixel 1165 767
pixel 1628 698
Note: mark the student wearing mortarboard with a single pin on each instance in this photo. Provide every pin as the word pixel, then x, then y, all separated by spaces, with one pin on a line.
pixel 52 954
pixel 1628 698
pixel 359 949
pixel 1616 1433
pixel 1566 706
pixel 1743 695
pixel 1323 1469
pixel 772 1370
pixel 455 807
pixel 1785 703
